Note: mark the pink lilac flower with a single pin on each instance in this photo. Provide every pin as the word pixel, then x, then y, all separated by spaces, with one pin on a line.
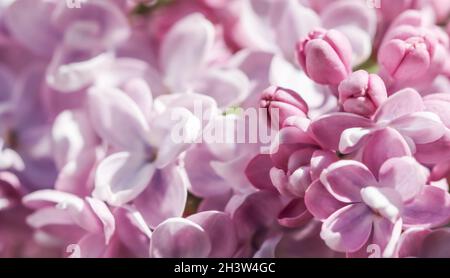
pixel 120 126
pixel 141 158
pixel 362 206
pixel 402 118
pixel 86 222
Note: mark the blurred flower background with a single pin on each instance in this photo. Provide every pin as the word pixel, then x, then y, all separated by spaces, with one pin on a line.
pixel 356 94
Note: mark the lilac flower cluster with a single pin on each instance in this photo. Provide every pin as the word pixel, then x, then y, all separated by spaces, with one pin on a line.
pixel 93 92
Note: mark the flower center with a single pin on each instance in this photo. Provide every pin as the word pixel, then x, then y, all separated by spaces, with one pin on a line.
pixel 383 201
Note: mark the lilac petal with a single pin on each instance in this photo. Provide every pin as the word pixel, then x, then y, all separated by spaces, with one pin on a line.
pixel 430 208
pixel 221 231
pixel 304 242
pixel 50 216
pixel 184 50
pixel 134 77
pixel 97 24
pixel 47 197
pixel 436 244
pixel 227 86
pixel 56 102
pixel 336 14
pixel 421 127
pixel 36 154
pixel 121 177
pixel 280 181
pixel 56 222
pixel 438 104
pixel 295 214
pixel 179 238
pixel 11 160
pixel 386 235
pixel 345 179
pixel 290 156
pixel 289 140
pixel 133 231
pixel 300 158
pixel 218 202
pixel 203 107
pixel 164 197
pixel 294 22
pixel 250 30
pixel 326 64
pixel 102 212
pixel 258 172
pixel 254 211
pixel 348 229
pixel 383 145
pixel 436 152
pixel 439 172
pixel 11 191
pixel 179 124
pixel 329 128
pixel 173 132
pixel 204 181
pixel 72 70
pixel 71 135
pixel 320 202
pixel 231 172
pixel 256 65
pixel 80 211
pixel 36 32
pixel 355 21
pixel 139 91
pixel 352 139
pixel 27 96
pixel 267 247
pixel 320 161
pixel 318 99
pixel 59 212
pixel 410 242
pixel 400 104
pixel 404 174
pixel 117 119
pixel 299 181
pixel 360 41
pixel 77 176
pixel 225 149
pixel 90 246
pixel 385 201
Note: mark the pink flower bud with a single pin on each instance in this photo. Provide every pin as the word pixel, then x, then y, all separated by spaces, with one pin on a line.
pixel 325 56
pixel 288 102
pixel 362 93
pixel 406 59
